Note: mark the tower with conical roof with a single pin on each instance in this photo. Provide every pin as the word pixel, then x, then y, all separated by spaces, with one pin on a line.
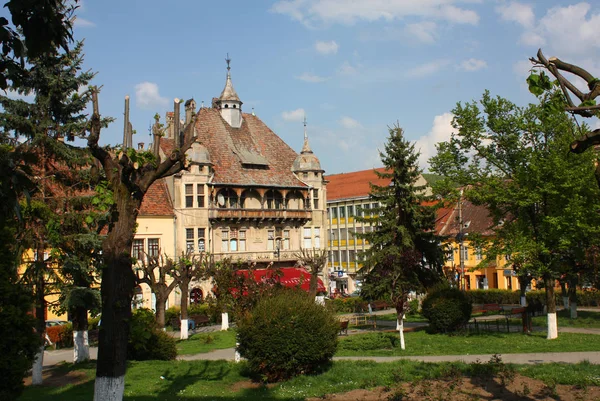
pixel 307 162
pixel 229 102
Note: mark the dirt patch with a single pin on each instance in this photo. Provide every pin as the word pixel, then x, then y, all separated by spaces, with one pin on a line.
pixel 470 389
pixel 248 384
pixel 59 378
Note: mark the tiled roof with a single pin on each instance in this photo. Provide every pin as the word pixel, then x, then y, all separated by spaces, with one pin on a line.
pixel 353 185
pixel 157 201
pixel 225 145
pixel 476 219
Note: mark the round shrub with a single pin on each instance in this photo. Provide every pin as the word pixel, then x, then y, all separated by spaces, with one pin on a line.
pixel 147 341
pixel 286 335
pixel 447 309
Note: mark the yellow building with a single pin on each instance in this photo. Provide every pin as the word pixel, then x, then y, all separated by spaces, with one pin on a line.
pixel 462 266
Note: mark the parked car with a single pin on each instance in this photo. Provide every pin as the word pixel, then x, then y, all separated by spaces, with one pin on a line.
pixel 55 322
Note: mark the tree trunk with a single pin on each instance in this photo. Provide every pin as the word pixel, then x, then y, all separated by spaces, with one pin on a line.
pixel 160 308
pixel 523 283
pixel 118 284
pixel 184 287
pixel 40 315
pixel 573 296
pixel 400 320
pixel 551 308
pixel 312 288
pixel 224 321
pixel 565 294
pixel 81 345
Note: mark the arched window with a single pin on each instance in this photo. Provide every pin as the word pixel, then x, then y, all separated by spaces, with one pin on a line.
pixel 274 199
pixel 226 106
pixel 227 198
pixel 196 296
pixel 235 106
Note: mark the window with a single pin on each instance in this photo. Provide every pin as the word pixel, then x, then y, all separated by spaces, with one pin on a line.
pixel 286 239
pixel 189 240
pixel 352 256
pixel 342 212
pixel 334 212
pixel 451 255
pixel 153 247
pixel 224 240
pixel 465 252
pixel 242 240
pixel 365 209
pixel 307 238
pixel 271 240
pixel 317 237
pixel 507 257
pixel 137 249
pixel 350 209
pixel 201 239
pixel 189 195
pixel 315 198
pixel 200 195
pixel 478 253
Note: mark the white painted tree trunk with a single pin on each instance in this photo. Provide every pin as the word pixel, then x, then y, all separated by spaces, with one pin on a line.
pixel 184 329
pixel 36 373
pixel 81 346
pixel 565 302
pixel 523 301
pixel 400 328
pixel 573 310
pixel 109 388
pixel 237 357
pixel 224 321
pixel 552 326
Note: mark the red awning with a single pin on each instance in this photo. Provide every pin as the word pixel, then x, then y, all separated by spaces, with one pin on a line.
pixel 291 277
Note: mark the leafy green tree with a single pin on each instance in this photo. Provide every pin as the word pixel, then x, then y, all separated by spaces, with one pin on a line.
pixel 515 161
pixel 405 253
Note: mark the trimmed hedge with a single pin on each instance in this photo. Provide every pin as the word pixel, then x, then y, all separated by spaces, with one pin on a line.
pixel 147 341
pixel 448 309
pixel 286 335
pixel 61 335
pixel 496 296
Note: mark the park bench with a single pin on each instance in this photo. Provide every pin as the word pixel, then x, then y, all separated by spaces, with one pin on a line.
pixel 343 327
pixel 199 320
pixel 379 305
pixel 363 320
pixel 488 308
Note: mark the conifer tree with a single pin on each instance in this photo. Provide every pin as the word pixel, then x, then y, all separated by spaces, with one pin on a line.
pixel 405 254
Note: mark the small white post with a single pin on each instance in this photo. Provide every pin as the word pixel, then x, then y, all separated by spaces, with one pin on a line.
pixel 224 321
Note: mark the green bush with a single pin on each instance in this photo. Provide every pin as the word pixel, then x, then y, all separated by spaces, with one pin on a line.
pixel 286 335
pixel 493 296
pixel 93 323
pixel 174 312
pixel 146 340
pixel 370 341
pixel 347 305
pixel 413 307
pixel 447 309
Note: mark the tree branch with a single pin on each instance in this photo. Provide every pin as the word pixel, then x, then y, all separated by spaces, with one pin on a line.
pixel 588 140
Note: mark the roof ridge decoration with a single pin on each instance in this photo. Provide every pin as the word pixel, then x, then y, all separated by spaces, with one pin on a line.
pixel 306 146
pixel 229 94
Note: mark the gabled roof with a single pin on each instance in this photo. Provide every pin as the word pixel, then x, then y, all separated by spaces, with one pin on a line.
pixel 249 155
pixel 157 201
pixel 476 219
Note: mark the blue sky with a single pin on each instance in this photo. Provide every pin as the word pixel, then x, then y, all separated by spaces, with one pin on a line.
pixel 353 67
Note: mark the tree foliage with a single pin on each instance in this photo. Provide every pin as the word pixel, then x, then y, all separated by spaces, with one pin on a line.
pixel 405 253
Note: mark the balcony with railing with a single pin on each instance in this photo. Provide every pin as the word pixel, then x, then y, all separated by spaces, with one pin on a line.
pixel 260 214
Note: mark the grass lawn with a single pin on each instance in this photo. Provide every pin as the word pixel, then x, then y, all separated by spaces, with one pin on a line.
pixel 409 318
pixel 585 319
pixel 220 380
pixel 206 342
pixel 422 343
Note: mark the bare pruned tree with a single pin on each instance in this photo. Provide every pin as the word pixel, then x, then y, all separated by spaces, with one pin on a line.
pixel 315 260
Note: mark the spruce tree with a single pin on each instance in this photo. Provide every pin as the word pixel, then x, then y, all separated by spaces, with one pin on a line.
pixel 405 253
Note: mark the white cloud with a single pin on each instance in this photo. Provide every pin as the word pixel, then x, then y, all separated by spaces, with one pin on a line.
pixel 312 78
pixel 517 12
pixel 311 12
pixel 522 68
pixel 294 115
pixel 147 96
pixel 12 94
pixel 425 32
pixel 349 122
pixel 440 132
pixel 347 69
pixel 473 64
pixel 83 23
pixel 532 39
pixel 427 69
pixel 326 47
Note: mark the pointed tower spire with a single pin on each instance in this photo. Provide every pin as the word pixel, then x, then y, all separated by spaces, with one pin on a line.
pixel 306 147
pixel 229 102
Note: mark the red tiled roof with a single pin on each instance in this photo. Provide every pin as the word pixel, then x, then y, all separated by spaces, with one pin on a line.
pixel 353 185
pixel 476 219
pixel 157 201
pixel 224 143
